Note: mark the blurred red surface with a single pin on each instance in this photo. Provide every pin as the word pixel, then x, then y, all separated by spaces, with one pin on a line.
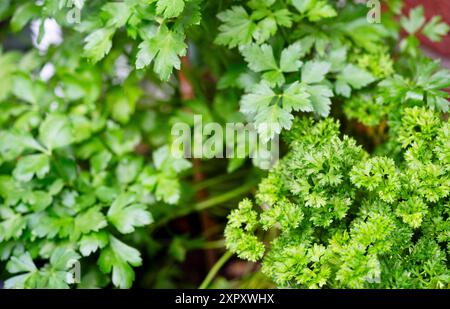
pixel 433 8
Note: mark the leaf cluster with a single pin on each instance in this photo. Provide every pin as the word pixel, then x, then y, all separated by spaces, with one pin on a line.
pixel 344 219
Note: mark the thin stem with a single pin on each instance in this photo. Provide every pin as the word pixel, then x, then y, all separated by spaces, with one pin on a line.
pixel 217 180
pixel 217 200
pixel 215 244
pixel 215 269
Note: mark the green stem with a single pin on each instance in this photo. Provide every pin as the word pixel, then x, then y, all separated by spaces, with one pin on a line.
pixel 204 205
pixel 215 269
pixel 217 180
pixel 215 244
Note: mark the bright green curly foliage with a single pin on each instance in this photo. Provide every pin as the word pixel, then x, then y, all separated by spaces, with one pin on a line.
pixel 348 220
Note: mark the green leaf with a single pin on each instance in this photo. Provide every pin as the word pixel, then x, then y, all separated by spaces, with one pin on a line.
pixel 26 89
pixel 415 21
pixel 122 141
pixel 4 8
pixel 164 161
pixel 255 4
pixel 65 167
pixel 320 99
pixel 165 50
pixel 314 9
pixel 283 17
pixel 395 6
pixel 262 105
pixel 118 257
pixel 23 15
pixel 30 166
pixel 11 145
pixel 79 3
pixel 237 28
pixel 100 161
pixel 343 88
pixel 265 29
pixel 12 224
pixel 121 106
pixel 274 78
pixel 92 242
pixel 337 58
pixel 23 263
pixel 168 189
pixel 355 77
pixel 302 5
pixel 55 132
pixel 39 200
pixel 10 190
pixel 62 258
pixel 271 120
pixel 128 169
pixel 8 63
pixel 43 225
pixel 170 8
pixel 260 97
pixel 259 58
pixel 321 10
pixel 315 71
pixel 116 14
pixel 20 281
pixel 435 29
pixel 23 88
pixel 125 214
pixel 98 44
pixel 91 220
pixel 290 58
pixel 366 35
pixel 296 98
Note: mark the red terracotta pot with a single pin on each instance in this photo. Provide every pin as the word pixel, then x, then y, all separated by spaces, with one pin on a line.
pixel 433 8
